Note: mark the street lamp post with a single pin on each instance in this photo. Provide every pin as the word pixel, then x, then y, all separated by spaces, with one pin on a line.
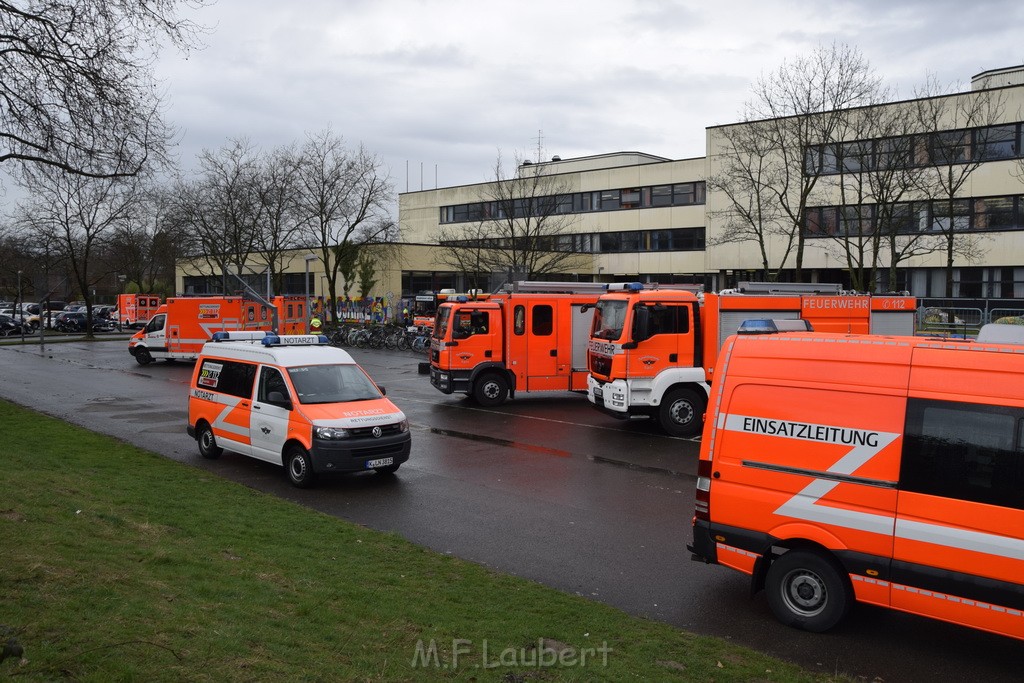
pixel 21 309
pixel 308 258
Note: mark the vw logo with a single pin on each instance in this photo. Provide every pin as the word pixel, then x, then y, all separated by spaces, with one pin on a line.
pixel 377 432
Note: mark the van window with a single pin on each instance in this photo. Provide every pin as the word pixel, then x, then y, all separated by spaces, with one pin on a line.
pixel 227 377
pixel 156 324
pixel 964 451
pixel 271 379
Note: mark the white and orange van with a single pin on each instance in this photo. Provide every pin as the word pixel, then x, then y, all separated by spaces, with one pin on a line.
pixel 296 401
pixel 888 470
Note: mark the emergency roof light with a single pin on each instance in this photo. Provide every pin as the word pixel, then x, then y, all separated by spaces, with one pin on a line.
pixel 239 335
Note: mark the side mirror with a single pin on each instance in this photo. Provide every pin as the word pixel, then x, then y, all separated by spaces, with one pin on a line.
pixel 383 391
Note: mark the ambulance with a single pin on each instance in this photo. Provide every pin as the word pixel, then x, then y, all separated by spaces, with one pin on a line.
pixel 653 347
pixel 295 401
pixel 180 327
pixel 887 470
pixel 135 310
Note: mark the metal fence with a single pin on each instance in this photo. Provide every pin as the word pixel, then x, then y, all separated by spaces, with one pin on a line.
pixel 963 317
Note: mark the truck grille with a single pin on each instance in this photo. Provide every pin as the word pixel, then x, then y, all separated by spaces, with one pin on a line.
pixel 600 365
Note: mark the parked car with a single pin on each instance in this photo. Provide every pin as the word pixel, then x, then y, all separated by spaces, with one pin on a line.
pixel 10 326
pixel 75 321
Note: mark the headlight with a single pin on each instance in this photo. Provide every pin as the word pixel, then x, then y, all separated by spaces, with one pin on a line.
pixel 403 426
pixel 330 433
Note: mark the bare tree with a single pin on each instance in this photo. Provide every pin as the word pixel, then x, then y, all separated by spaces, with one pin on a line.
pixel 802 105
pixel 745 178
pixel 144 245
pixel 77 88
pixel 522 227
pixel 872 172
pixel 956 132
pixel 466 251
pixel 77 214
pixel 221 208
pixel 277 227
pixel 343 201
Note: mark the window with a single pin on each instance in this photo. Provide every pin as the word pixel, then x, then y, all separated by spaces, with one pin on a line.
pixel 610 200
pixel 630 199
pixel 271 380
pixel 519 320
pixel 995 213
pixel 965 451
pixel 949 147
pixel 227 376
pixel 958 211
pixel 661 195
pixel 856 156
pixel 542 320
pixel 610 241
pixel 996 142
pixel 669 320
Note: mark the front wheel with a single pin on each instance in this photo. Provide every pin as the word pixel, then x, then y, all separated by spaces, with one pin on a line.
pixel 142 356
pixel 681 412
pixel 807 590
pixel 491 390
pixel 300 467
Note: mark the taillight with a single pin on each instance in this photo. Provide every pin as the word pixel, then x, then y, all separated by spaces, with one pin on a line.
pixel 702 500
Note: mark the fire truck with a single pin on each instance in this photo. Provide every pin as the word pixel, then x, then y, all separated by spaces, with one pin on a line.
pixel 533 338
pixel 135 310
pixel 653 349
pixel 180 327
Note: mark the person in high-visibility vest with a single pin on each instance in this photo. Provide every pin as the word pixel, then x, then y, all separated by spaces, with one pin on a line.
pixel 315 326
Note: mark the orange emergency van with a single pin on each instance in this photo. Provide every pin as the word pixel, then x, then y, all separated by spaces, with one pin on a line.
pixel 295 401
pixel 887 470
pixel 181 326
pixel 135 310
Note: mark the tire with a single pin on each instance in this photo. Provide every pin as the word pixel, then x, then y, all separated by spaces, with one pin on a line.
pixel 808 590
pixel 490 390
pixel 681 412
pixel 390 469
pixel 208 447
pixel 402 343
pixel 142 356
pixel 299 466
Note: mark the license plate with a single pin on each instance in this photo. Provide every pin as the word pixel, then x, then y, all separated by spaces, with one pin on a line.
pixel 380 462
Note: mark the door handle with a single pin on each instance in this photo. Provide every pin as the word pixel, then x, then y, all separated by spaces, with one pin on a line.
pixel 256 407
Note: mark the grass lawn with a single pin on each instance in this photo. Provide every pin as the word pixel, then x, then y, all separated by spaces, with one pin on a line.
pixel 118 564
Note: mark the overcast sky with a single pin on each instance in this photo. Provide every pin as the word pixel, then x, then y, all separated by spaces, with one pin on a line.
pixel 443 85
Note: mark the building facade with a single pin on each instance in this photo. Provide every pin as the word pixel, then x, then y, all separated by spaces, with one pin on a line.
pixel 953 207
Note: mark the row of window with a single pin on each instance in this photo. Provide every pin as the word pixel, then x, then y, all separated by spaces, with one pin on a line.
pixel 626 241
pixel 974 214
pixel 678 194
pixel 990 143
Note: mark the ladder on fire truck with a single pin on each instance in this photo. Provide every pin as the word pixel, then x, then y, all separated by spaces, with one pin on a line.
pixel 539 287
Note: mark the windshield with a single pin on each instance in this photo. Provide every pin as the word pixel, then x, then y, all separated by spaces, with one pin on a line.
pixel 332 384
pixel 444 314
pixel 609 318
